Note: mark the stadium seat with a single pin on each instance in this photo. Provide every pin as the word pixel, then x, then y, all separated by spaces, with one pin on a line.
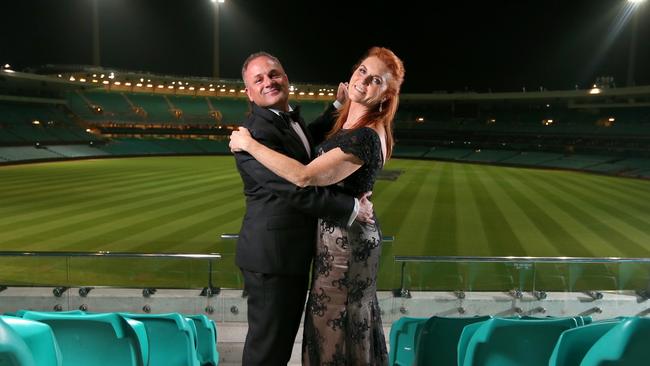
pixel 171 339
pixel 206 340
pixel 13 350
pixel 20 313
pixel 141 333
pixel 574 343
pixel 505 342
pixel 403 334
pixel 437 341
pixel 463 342
pixel 580 320
pixel 39 338
pixel 624 344
pixel 82 337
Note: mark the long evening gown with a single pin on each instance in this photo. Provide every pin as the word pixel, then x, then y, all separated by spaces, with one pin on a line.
pixel 342 319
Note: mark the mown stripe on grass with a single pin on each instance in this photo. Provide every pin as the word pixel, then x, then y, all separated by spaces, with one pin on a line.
pixel 471 237
pixel 103 199
pixel 198 227
pixel 106 215
pixel 554 233
pixel 411 237
pixel 96 177
pixel 192 230
pixel 500 236
pixel 384 199
pixel 441 228
pixel 43 187
pixel 591 242
pixel 48 199
pixel 631 186
pixel 533 240
pixel 400 205
pixel 58 174
pixel 602 218
pixel 154 225
pixel 636 204
pixel 593 233
pixel 36 178
pixel 606 201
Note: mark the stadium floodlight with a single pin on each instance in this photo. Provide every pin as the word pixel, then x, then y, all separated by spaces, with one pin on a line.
pixel 95 32
pixel 215 47
pixel 635 4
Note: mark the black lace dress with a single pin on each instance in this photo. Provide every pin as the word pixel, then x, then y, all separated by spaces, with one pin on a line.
pixel 342 321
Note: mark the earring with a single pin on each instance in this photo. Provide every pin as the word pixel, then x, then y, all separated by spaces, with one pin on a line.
pixel 380 106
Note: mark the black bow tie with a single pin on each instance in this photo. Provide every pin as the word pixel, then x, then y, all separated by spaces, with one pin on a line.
pixel 294 115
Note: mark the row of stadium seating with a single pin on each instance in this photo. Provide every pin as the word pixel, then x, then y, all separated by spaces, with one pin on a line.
pixel 117 147
pixel 616 165
pixel 28 123
pixel 525 118
pixel 549 341
pixel 76 338
pixel 128 108
pixel 622 132
pixel 631 167
pixel 59 134
pixel 617 129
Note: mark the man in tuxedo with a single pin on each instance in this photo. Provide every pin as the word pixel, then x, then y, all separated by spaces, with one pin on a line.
pixel 278 234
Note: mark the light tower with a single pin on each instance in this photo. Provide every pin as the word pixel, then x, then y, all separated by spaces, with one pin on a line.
pixel 632 55
pixel 215 47
pixel 96 61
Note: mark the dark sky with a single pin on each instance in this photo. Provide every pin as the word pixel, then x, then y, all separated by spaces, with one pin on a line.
pixel 446 45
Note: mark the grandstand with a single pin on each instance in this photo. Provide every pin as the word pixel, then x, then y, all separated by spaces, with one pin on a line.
pixel 490 207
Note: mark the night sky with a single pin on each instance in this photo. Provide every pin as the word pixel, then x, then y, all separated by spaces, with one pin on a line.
pixel 445 45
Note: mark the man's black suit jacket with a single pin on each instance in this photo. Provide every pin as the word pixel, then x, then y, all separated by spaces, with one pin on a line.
pixel 278 233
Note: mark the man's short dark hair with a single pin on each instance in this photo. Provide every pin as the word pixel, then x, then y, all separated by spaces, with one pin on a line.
pixel 254 56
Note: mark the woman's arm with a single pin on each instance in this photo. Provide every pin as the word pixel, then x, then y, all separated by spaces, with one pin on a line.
pixel 329 168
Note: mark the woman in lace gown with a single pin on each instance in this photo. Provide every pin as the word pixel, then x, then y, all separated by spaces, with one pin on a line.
pixel 342 320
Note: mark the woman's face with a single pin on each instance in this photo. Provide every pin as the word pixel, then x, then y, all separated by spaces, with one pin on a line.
pixel 369 82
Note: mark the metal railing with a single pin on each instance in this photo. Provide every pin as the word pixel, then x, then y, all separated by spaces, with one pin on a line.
pixel 520 259
pixel 517 274
pixel 52 263
pixel 385 238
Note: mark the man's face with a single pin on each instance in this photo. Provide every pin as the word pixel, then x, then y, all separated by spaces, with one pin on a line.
pixel 266 84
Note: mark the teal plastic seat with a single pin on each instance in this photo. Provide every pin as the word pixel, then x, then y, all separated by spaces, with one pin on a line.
pixel 13 350
pixel 463 342
pixel 20 313
pixel 574 343
pixel 506 342
pixel 82 338
pixel 39 338
pixel 171 339
pixel 206 331
pixel 586 320
pixel 192 326
pixel 141 334
pixel 437 342
pixel 580 320
pixel 402 339
pixel 624 344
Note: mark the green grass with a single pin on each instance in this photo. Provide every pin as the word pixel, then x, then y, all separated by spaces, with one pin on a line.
pixel 183 204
